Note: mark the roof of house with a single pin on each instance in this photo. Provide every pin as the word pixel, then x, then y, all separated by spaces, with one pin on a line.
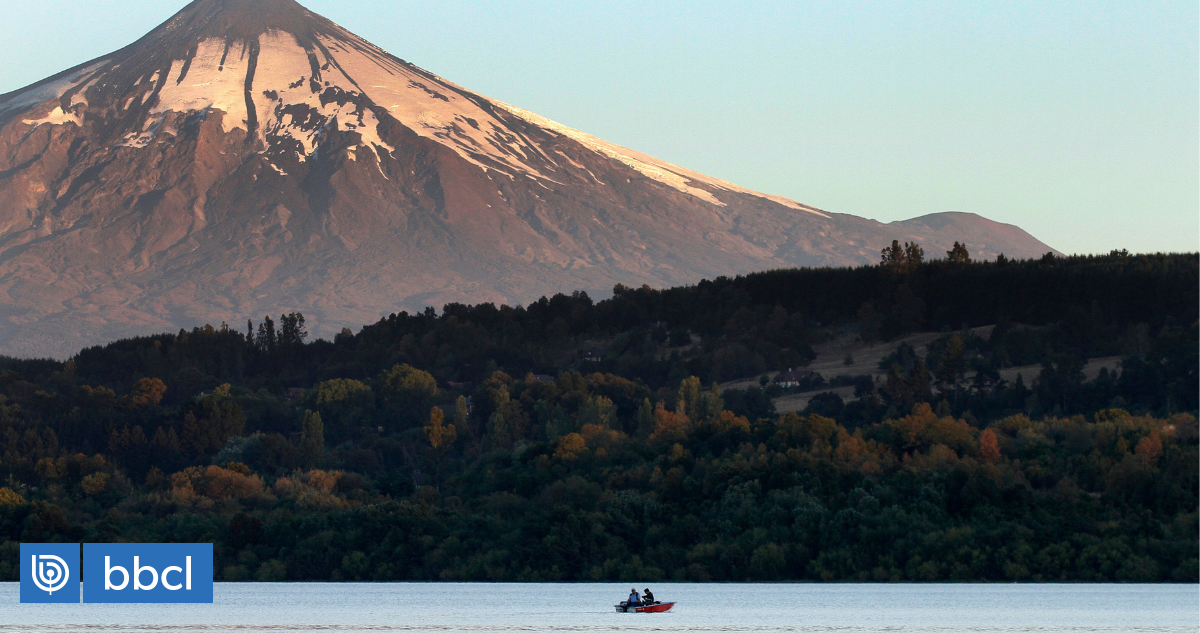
pixel 794 376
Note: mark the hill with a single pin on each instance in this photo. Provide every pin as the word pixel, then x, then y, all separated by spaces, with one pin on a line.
pixel 590 442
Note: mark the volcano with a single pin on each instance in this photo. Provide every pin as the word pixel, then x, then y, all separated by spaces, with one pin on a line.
pixel 250 157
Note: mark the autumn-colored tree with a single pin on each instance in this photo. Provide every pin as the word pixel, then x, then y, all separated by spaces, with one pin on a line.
pixel 689 396
pixel 146 392
pixel 344 403
pixel 409 383
pixel 710 405
pixel 570 447
pixel 923 429
pixel 461 412
pixel 440 437
pixel 727 422
pixel 669 426
pixel 599 411
pixel 1149 448
pixel 697 404
pixel 8 497
pixel 47 468
pixel 989 447
pixel 95 483
pixel 236 481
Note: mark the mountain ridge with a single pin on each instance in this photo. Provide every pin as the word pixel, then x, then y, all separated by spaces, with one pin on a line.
pixel 250 156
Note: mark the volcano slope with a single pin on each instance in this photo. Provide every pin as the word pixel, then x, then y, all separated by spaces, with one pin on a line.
pixel 251 157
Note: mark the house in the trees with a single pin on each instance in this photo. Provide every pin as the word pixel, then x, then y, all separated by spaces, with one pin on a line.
pixel 788 379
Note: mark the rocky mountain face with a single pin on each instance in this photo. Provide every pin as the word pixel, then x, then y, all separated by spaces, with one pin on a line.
pixel 251 157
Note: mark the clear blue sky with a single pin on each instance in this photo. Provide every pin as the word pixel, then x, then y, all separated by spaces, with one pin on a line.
pixel 1077 121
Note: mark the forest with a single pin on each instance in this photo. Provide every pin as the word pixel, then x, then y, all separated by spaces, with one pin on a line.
pixel 573 439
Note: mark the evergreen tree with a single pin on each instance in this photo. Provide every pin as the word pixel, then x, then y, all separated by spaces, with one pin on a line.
pixel 959 255
pixel 952 365
pixel 292 332
pixel 914 256
pixel 870 323
pixel 902 259
pixel 265 340
pixel 312 438
pixel 894 257
pixel 461 412
pixel 645 418
pixel 908 310
pixel 440 437
pixel 498 433
pixel 688 402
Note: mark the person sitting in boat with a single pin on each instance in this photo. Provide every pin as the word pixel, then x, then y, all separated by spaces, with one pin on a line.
pixel 648 598
pixel 634 599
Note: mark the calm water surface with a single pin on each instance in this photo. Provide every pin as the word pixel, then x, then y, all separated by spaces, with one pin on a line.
pixel 588 607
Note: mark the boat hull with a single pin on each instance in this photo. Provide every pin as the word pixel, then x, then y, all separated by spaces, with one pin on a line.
pixel 661 607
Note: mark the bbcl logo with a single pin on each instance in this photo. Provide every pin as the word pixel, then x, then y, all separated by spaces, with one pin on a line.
pixel 138 570
pixel 117 572
pixel 49 572
pixel 142 572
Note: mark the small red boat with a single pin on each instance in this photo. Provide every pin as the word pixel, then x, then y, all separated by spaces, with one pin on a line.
pixel 657 607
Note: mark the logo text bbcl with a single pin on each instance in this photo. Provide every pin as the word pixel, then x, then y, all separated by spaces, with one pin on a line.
pixel 163 572
pixel 138 570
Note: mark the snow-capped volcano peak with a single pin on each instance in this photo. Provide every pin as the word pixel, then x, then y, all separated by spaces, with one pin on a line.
pixel 285 77
pixel 251 157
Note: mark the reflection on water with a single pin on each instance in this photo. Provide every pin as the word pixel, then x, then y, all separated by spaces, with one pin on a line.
pixel 588 607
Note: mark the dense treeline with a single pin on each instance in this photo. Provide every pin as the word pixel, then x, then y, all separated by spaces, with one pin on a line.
pixel 717 330
pixel 570 439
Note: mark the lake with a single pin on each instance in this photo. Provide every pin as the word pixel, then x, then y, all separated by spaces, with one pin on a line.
pixel 946 608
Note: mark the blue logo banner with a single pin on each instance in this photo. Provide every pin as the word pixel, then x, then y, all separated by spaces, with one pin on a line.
pixel 144 572
pixel 50 572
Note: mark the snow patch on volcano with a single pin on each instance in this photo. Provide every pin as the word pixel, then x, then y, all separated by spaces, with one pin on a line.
pixel 288 102
pixel 283 92
pixel 36 94
pixel 660 170
pixel 434 109
pixel 209 83
pixel 56 117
